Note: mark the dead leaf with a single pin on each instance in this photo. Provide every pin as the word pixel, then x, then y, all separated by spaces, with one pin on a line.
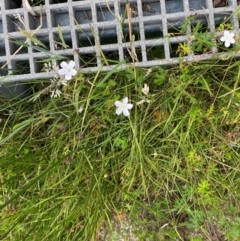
pixel 28 7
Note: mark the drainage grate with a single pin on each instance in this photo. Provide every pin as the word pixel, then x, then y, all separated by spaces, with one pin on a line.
pixel 92 28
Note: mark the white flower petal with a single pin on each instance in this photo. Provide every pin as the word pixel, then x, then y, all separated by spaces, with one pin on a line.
pixel 64 65
pixel 118 103
pixel 226 32
pixel 119 111
pixel 125 100
pixel 223 39
pixel 231 35
pixel 73 72
pixel 68 76
pixel 227 44
pixel 71 64
pixel 126 112
pixel 62 71
pixel 232 41
pixel 129 106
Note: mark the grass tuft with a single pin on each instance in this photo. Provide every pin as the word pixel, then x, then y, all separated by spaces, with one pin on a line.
pixel 71 169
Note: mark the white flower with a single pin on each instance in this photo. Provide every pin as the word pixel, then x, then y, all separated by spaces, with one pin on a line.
pixel 68 69
pixel 123 107
pixel 228 38
pixel 145 89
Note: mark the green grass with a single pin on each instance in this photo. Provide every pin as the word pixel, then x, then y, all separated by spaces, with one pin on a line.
pixel 71 169
pixel 170 170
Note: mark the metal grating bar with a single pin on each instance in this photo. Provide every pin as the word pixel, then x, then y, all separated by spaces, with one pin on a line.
pixel 94 27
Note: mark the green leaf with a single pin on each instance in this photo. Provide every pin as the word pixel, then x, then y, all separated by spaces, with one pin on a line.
pixel 160 77
pixel 32 38
pixel 121 142
pixel 61 37
pixel 38 48
pixel 111 83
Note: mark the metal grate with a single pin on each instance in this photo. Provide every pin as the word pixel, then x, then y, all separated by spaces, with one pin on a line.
pixel 87 25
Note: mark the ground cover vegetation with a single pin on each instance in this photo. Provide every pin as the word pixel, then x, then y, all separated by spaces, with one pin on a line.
pixel 133 154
